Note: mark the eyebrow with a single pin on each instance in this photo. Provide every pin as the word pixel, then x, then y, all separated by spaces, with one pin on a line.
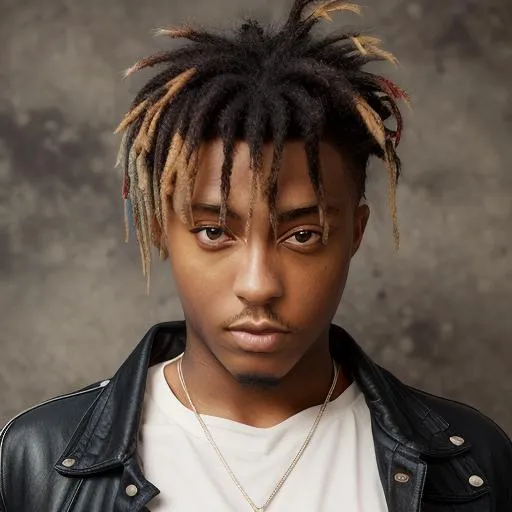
pixel 304 211
pixel 287 216
pixel 214 209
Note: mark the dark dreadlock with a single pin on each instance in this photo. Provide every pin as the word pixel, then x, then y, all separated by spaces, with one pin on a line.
pixel 257 85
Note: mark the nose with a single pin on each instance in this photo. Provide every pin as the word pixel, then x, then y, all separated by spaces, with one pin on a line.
pixel 257 279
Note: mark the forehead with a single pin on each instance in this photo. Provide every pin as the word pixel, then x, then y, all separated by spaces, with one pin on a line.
pixel 294 181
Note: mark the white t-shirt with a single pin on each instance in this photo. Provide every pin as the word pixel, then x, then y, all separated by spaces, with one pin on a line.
pixel 338 470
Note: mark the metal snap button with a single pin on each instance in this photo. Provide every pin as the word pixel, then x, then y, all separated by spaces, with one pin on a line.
pixel 68 463
pixel 131 490
pixel 476 481
pixel 457 440
pixel 402 478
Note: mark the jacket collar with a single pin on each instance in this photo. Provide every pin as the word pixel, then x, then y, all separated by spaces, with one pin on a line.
pixel 393 405
pixel 107 435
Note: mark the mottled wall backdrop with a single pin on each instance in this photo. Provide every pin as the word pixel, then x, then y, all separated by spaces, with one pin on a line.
pixel 72 301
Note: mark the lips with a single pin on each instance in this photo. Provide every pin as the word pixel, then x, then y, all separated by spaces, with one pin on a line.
pixel 259 341
pixel 259 328
pixel 258 337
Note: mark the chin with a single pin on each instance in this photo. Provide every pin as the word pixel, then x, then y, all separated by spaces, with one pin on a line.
pixel 258 370
pixel 258 380
pixel 253 369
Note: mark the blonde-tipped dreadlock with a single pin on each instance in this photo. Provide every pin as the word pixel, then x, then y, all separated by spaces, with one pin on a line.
pixel 257 85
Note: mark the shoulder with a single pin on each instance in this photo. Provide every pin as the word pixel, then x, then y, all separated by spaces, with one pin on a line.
pixel 465 421
pixel 478 427
pixel 491 447
pixel 31 442
pixel 54 416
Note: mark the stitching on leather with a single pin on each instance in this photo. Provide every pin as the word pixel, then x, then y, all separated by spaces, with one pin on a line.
pixel 9 424
pixel 74 496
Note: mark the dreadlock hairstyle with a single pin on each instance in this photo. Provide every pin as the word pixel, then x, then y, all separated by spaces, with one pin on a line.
pixel 255 85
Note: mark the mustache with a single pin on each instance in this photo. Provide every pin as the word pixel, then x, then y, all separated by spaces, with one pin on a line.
pixel 258 314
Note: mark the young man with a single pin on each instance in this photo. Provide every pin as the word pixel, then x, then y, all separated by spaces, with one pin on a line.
pixel 245 163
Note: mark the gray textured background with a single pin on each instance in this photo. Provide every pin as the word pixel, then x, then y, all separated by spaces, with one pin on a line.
pixel 72 301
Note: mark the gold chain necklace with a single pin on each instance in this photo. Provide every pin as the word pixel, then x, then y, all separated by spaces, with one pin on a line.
pixel 295 460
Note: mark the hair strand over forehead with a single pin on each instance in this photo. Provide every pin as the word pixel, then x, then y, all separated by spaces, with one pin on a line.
pixel 258 85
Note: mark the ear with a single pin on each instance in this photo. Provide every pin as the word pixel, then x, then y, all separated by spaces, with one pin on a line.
pixel 361 216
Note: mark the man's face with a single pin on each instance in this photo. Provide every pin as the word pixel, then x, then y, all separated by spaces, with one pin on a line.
pixel 260 304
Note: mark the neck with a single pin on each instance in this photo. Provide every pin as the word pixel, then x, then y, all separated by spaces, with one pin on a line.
pixel 215 392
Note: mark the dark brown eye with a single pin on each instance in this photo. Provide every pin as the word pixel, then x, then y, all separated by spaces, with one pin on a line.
pixel 211 237
pixel 213 233
pixel 303 236
pixel 303 239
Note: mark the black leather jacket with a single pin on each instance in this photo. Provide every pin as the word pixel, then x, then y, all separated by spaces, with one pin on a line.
pixel 78 452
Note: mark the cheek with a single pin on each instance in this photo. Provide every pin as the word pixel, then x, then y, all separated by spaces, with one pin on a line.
pixel 316 288
pixel 183 264
pixel 198 279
